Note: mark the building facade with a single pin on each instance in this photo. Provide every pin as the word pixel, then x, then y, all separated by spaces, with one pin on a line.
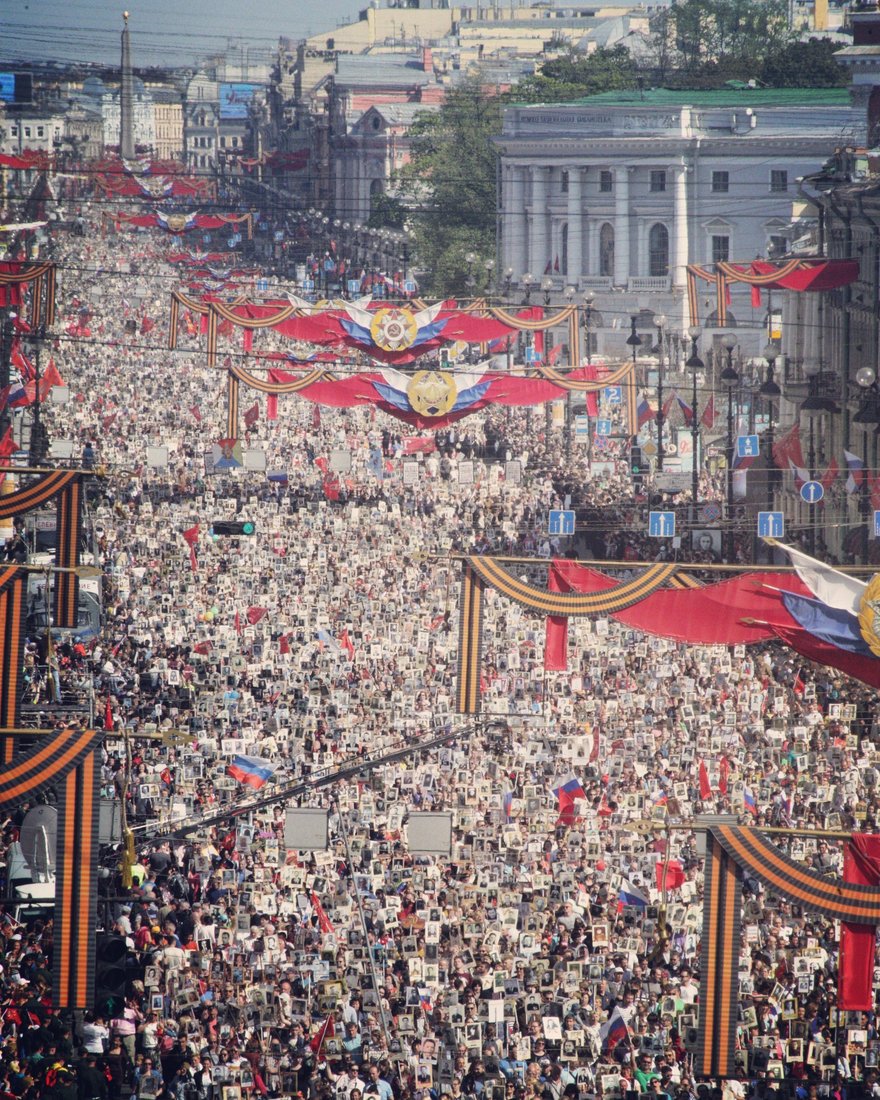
pixel 619 192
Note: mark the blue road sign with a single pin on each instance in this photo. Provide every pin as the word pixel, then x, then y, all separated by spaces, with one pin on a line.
pixel 661 525
pixel 812 491
pixel 560 522
pixel 771 525
pixel 582 427
pixel 614 394
pixel 746 446
pixel 877 525
pixel 603 427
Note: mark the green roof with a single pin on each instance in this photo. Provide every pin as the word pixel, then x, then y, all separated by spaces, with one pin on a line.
pixel 717 97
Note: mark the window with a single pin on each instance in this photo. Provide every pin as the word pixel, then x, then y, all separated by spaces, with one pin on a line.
pixel 563 184
pixel 720 182
pixel 658 179
pixel 777 245
pixel 778 180
pixel 41 131
pixel 606 182
pixel 658 250
pixel 720 248
pixel 27 131
pixel 564 241
pixel 606 249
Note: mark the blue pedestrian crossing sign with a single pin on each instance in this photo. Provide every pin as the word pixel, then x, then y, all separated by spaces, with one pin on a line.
pixel 614 394
pixel 603 427
pixel 771 525
pixel 561 522
pixel 812 491
pixel 747 446
pixel 877 525
pixel 661 525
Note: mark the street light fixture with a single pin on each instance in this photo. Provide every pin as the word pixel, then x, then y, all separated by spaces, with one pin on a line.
pixel 547 287
pixel 527 281
pixel 868 415
pixel 730 379
pixel 589 298
pixel 695 364
pixel 660 324
pixel 813 408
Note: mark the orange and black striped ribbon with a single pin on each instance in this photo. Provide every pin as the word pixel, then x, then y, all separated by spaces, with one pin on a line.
pixel 720 299
pixel 470 642
pixel 719 963
pixel 173 322
pixel 36 301
pixel 37 493
pixel 13 591
pixel 833 898
pixel 571 603
pixel 47 763
pixel 212 338
pixel 232 399
pixel 69 527
pixel 76 876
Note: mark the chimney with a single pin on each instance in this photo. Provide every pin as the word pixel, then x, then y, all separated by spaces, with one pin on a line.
pixel 427 59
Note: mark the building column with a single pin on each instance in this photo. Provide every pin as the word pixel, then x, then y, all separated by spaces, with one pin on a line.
pixel 575 225
pixel 514 220
pixel 621 226
pixel 539 248
pixel 680 248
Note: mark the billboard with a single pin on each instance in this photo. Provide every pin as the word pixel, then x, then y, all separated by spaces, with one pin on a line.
pixel 234 99
pixel 16 87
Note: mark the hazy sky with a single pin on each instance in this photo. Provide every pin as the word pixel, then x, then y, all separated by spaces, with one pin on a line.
pixel 172 32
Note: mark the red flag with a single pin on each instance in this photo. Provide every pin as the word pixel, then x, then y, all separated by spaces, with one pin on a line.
pixel 674 874
pixel 108 717
pixel 251 416
pixel 322 464
pixel 705 785
pixel 709 415
pixel 197 413
pixel 316 416
pixel 255 614
pixel 788 448
pixel 756 297
pixel 284 644
pixel 331 487
pixel 327 1032
pixel 723 774
pixel 191 537
pixel 830 475
pixel 324 922
pixel 861 866
pixel 556 627
pixel 7 447
pixel 147 324
pixel 347 644
pixel 203 647
pixel 108 420
pixel 798 687
pixel 237 623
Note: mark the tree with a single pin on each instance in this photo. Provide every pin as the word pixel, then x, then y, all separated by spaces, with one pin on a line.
pixel 574 75
pixel 809 64
pixel 736 34
pixel 386 212
pixel 451 184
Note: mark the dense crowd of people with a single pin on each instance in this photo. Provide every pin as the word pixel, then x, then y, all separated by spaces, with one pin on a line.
pixel 491 970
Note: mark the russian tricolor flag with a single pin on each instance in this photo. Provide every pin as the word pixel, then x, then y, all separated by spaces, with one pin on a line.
pixel 632 895
pixel 253 771
pixel 644 411
pixel 856 467
pixel 749 801
pixel 570 788
pixel 614 1030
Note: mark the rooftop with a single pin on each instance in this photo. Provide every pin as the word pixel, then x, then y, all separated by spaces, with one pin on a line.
pixel 719 97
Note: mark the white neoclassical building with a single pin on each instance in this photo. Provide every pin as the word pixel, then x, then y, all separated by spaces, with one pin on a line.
pixel 617 193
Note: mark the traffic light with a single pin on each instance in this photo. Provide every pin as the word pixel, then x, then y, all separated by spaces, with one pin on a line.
pixel 233 527
pixel 636 463
pixel 110 974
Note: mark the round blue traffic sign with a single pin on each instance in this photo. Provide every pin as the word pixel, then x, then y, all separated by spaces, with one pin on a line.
pixel 812 491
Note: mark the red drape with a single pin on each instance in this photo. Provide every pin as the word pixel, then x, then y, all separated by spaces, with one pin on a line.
pixel 855 981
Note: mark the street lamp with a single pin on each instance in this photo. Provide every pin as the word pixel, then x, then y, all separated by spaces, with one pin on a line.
pixel 813 408
pixel 771 393
pixel 508 279
pixel 868 415
pixel 547 287
pixel 695 364
pixel 569 293
pixel 527 281
pixel 729 378
pixel 589 297
pixel 659 324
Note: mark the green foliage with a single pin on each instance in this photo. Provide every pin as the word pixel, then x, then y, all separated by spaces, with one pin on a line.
pixel 807 64
pixel 742 32
pixel 386 212
pixel 574 75
pixel 450 180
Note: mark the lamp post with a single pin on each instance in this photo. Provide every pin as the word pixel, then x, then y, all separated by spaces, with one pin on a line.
pixel 508 280
pixel 770 392
pixel 547 288
pixel 527 281
pixel 569 294
pixel 695 364
pixel 868 415
pixel 660 324
pixel 730 379
pixel 589 297
pixel 813 408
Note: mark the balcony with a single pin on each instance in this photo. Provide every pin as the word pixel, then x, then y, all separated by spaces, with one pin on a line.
pixel 656 284
pixel 595 282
